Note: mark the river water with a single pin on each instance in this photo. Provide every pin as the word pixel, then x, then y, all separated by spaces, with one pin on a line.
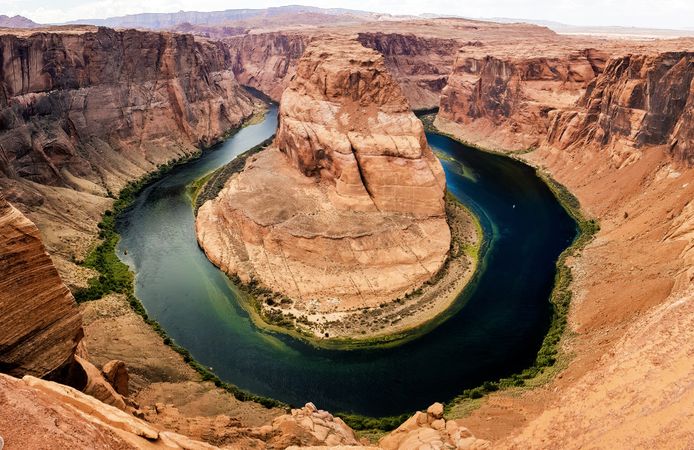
pixel 494 329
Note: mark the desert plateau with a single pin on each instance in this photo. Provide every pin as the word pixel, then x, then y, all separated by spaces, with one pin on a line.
pixel 346 225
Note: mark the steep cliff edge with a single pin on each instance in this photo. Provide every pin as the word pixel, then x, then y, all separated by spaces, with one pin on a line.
pixel 41 325
pixel 639 101
pixel 85 110
pixel 345 211
pixel 506 102
pixel 623 149
pixel 420 64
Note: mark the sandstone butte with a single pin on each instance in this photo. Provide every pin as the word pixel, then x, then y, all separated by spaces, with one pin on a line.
pixel 345 210
pixel 620 140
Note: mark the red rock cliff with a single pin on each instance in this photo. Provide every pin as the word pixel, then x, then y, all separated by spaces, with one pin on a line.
pixel 90 109
pixel 638 101
pixel 505 102
pixel 41 325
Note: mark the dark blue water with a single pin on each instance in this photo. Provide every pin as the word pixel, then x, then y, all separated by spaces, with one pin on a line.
pixel 495 328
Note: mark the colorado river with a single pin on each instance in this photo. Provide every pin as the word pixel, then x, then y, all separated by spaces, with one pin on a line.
pixel 494 329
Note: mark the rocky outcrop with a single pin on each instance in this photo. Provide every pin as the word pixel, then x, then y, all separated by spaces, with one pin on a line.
pixel 431 430
pixel 506 102
pixel 346 209
pixel 637 102
pixel 420 64
pixel 36 411
pixel 116 373
pixel 41 325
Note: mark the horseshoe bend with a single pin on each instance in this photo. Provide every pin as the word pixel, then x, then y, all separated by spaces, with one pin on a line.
pixel 344 214
pixel 312 228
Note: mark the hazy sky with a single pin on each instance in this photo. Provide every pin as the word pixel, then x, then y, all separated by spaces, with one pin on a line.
pixel 641 13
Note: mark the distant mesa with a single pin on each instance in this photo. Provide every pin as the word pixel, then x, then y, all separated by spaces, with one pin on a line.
pixel 17 22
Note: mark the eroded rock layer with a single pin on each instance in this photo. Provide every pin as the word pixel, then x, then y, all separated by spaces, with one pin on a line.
pixel 507 102
pixel 624 148
pixel 346 208
pixel 637 102
pixel 84 110
pixel 41 325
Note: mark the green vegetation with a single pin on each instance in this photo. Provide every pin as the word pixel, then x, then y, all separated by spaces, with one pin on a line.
pixel 116 277
pixel 560 299
pixel 361 423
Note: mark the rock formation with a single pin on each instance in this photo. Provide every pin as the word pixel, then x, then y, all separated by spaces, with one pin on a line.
pixel 420 64
pixel 90 109
pixel 116 373
pixel 637 102
pixel 36 411
pixel 346 208
pixel 430 430
pixel 41 325
pixel 506 102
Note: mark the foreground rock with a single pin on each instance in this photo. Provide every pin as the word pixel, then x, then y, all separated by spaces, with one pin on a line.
pixel 41 325
pixel 36 411
pixel 346 209
pixel 431 431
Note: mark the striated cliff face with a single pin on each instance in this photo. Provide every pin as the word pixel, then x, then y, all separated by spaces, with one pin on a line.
pixel 346 209
pixel 638 101
pixel 267 61
pixel 85 110
pixel 73 102
pixel 506 102
pixel 41 325
pixel 420 64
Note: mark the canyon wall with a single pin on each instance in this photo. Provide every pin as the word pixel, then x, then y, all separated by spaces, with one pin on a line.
pixel 506 102
pixel 346 209
pixel 41 325
pixel 267 61
pixel 420 64
pixel 639 101
pixel 83 111
pixel 624 149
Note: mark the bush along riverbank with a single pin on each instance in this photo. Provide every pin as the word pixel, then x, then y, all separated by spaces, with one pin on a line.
pixel 114 276
pixel 560 299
